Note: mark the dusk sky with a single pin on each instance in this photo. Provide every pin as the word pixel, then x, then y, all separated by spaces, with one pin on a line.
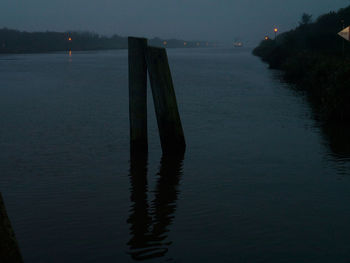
pixel 219 20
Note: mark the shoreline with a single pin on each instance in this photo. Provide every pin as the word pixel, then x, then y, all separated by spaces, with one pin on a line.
pixel 314 58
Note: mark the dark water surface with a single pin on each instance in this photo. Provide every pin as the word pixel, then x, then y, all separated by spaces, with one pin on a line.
pixel 261 180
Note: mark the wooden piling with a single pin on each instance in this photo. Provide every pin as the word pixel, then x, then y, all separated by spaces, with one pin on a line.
pixel 168 118
pixel 137 94
pixel 9 250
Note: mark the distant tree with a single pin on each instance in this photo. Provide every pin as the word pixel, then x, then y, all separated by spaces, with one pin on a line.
pixel 305 19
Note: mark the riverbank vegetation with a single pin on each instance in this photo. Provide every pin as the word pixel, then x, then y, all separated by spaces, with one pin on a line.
pixel 14 41
pixel 317 60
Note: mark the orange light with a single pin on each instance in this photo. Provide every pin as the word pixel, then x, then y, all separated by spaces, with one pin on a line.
pixel 275 29
pixel 165 43
pixel 69 39
pixel 266 38
pixel 70 53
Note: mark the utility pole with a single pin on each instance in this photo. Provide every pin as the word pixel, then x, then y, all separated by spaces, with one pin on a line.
pixel 343 26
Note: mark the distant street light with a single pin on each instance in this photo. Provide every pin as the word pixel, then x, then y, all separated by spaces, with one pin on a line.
pixel 69 39
pixel 266 38
pixel 165 43
pixel 275 30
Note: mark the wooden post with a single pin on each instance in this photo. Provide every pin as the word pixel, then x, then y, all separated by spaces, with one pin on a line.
pixel 168 118
pixel 9 250
pixel 137 94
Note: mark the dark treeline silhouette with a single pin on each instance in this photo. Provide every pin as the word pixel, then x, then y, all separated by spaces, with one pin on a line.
pixel 317 60
pixel 14 41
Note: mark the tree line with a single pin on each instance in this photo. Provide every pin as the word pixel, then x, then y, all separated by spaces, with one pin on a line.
pixel 15 41
pixel 315 58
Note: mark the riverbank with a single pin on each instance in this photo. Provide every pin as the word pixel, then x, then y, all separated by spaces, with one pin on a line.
pixel 317 60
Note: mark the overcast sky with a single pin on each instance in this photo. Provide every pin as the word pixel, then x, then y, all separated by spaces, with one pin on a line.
pixel 213 20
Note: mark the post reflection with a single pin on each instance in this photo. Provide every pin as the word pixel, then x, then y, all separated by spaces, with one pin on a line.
pixel 149 225
pixel 139 219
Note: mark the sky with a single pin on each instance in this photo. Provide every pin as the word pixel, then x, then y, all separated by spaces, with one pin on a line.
pixel 206 20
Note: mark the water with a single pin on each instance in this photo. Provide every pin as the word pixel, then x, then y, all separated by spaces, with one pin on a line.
pixel 261 180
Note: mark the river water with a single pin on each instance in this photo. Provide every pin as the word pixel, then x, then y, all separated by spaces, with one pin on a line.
pixel 261 179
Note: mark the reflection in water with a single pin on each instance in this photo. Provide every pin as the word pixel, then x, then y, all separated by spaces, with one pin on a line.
pixel 70 56
pixel 149 225
pixel 338 140
pixel 337 136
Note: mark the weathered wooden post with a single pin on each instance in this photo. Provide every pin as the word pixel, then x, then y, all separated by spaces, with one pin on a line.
pixel 168 118
pixel 9 250
pixel 137 94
